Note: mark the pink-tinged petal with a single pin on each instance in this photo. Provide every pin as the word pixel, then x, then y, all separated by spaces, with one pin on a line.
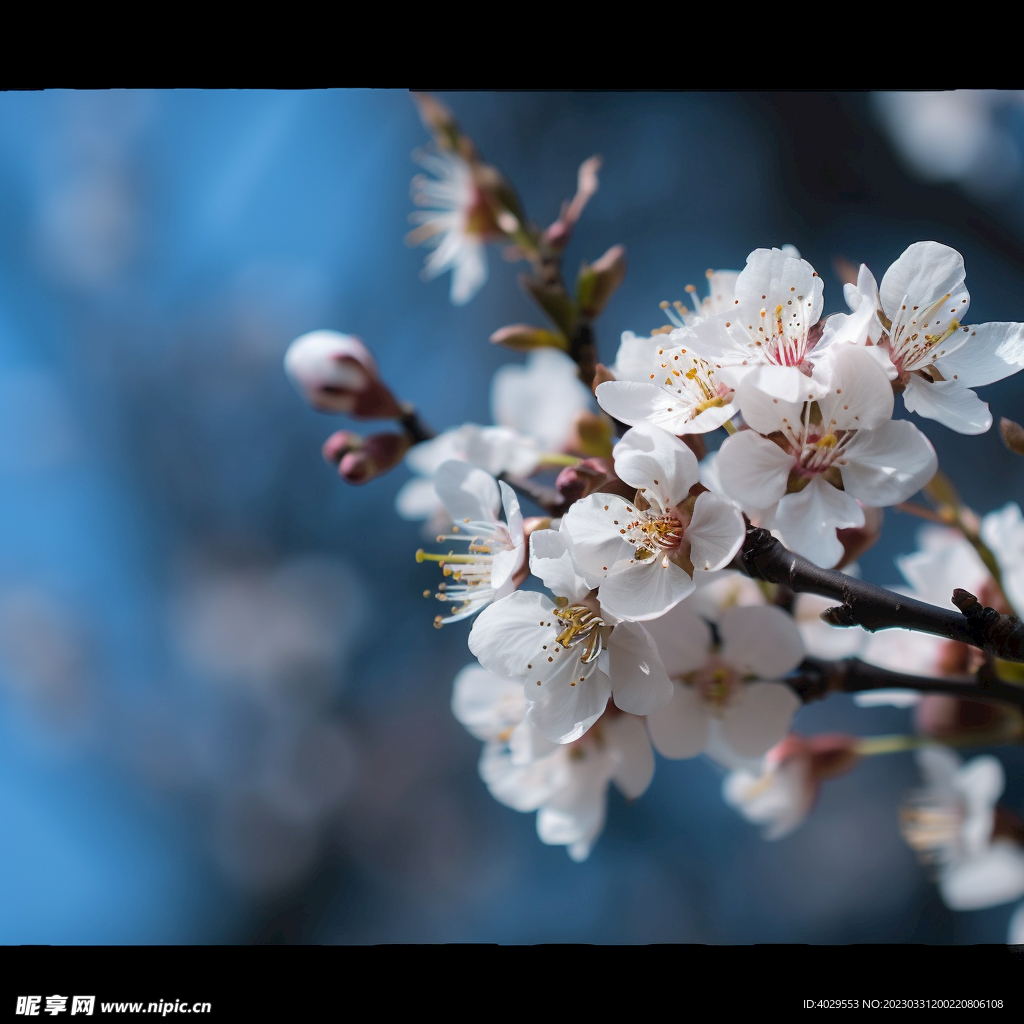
pixel 949 402
pixel 991 352
pixel 551 562
pixel 773 278
pixel 861 396
pixel 761 641
pixel 683 640
pixel 715 533
pixel 507 634
pixel 634 767
pixel 570 699
pixel 681 728
pixel 523 787
pixel 992 877
pixel 807 521
pixel 489 706
pixel 644 590
pixel 596 545
pixel 763 411
pixel 467 492
pixel 758 718
pixel 921 276
pixel 640 683
pixel 753 470
pixel 886 466
pixel 652 458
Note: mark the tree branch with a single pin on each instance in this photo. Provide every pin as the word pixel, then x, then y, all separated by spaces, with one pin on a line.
pixel 817 678
pixel 873 608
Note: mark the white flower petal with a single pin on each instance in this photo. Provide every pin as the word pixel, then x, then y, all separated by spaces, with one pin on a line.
pixel 772 278
pixel 759 717
pixel 650 457
pixel 523 787
pixel 489 706
pixel 715 533
pixel 949 402
pixel 991 352
pixel 470 271
pixel 467 492
pixel 753 470
pixel 886 466
pixel 861 397
pixel 635 403
pixel 766 412
pixel 570 699
pixel 634 767
pixel 681 728
pixel 807 521
pixel 986 880
pixel 577 818
pixel 922 275
pixel 507 634
pixel 683 640
pixel 763 642
pixel 551 562
pixel 640 683
pixel 526 745
pixel 644 590
pixel 417 499
pixel 940 767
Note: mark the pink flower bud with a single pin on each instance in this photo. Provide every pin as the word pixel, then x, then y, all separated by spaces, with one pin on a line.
pixel 379 454
pixel 336 373
pixel 340 443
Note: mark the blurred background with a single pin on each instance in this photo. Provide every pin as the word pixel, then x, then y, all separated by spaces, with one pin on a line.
pixel 224 711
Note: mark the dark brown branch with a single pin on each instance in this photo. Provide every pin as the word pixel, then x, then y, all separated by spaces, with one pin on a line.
pixel 416 429
pixel 873 608
pixel 817 678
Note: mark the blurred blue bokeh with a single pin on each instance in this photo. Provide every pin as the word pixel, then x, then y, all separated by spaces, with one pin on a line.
pixel 223 707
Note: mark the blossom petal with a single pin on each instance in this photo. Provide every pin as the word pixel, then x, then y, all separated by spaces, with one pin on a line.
pixel 771 278
pixel 468 493
pixel 635 403
pixel 570 699
pixel 808 520
pixel 949 402
pixel 885 466
pixel 417 499
pixel 683 640
pixel 986 880
pixel 470 271
pixel 763 642
pixel 551 562
pixel 635 759
pixel 486 704
pixel 640 683
pixel 715 533
pixel 992 352
pixel 681 728
pixel 652 458
pixel 523 787
pixel 861 397
pixel 753 470
pixel 645 590
pixel 759 717
pixel 922 275
pixel 507 634
pixel 595 541
pixel 575 817
pixel 766 412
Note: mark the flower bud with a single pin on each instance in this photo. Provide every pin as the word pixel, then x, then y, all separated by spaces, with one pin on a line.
pixel 1013 435
pixel 379 454
pixel 589 476
pixel 524 338
pixel 598 282
pixel 340 443
pixel 336 373
pixel 601 376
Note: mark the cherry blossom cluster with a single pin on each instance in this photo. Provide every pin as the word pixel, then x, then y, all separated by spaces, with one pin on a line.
pixel 622 619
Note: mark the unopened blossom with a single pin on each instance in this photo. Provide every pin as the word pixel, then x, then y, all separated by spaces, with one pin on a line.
pixel 937 359
pixel 662 381
pixel 824 457
pixel 642 554
pixel 727 692
pixel 949 823
pixel 781 794
pixel 336 373
pixel 495 554
pixel 457 224
pixel 569 655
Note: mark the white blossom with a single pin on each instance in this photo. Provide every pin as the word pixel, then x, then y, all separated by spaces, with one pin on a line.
pixel 726 693
pixel 642 554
